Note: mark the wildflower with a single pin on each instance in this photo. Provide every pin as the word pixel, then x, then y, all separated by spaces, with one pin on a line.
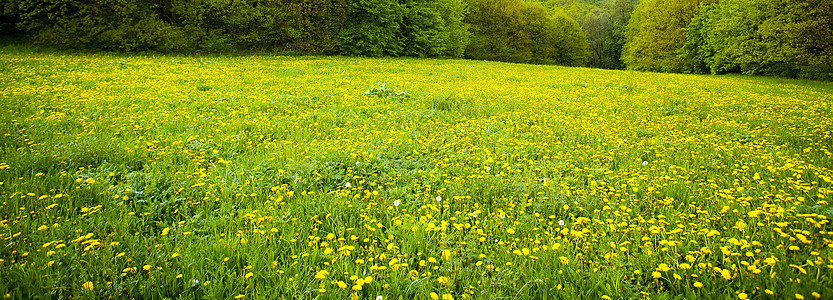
pixel 395 202
pixel 698 284
pixel 743 296
pixel 439 198
pixel 88 286
pixel 560 222
pixel 644 163
pixel 799 296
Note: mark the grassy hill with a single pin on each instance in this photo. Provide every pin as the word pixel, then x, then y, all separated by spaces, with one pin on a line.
pixel 341 177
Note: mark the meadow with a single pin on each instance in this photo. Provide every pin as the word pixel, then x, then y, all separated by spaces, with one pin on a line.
pixel 183 177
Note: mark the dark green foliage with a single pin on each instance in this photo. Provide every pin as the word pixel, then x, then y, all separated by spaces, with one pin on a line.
pixel 779 38
pixel 619 13
pixel 656 31
pixel 352 27
pixel 604 24
pixel 372 28
pixel 519 31
pixel 697 52
pixel 434 28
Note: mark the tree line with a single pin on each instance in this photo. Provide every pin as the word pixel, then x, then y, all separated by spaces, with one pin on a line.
pixel 506 30
pixel 791 38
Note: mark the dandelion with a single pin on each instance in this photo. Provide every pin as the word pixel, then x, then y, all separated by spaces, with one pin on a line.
pixel 88 286
pixel 644 163
pixel 743 296
pixel 439 198
pixel 347 185
pixel 395 202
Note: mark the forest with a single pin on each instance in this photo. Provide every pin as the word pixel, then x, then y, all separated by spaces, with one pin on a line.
pixel 755 37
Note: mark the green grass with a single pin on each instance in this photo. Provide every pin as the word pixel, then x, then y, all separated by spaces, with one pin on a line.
pixel 275 177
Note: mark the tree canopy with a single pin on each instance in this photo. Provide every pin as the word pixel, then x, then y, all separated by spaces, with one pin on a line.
pixel 768 37
pixel 520 31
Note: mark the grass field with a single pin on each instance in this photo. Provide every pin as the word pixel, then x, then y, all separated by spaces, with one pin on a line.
pixel 314 177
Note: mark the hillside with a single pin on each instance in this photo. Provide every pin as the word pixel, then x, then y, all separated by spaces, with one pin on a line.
pixel 339 177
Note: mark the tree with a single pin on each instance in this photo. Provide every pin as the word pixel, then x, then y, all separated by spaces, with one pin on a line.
pixel 519 31
pixel 433 28
pixel 372 28
pixel 655 33
pixel 780 37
